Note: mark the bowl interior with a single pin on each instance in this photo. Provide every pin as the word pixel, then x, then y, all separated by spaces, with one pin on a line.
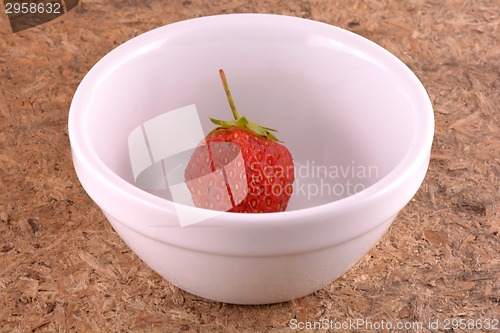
pixel 346 109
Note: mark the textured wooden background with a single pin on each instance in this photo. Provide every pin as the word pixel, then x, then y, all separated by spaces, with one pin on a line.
pixel 64 269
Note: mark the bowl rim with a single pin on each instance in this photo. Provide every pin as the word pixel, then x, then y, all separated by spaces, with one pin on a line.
pixel 416 156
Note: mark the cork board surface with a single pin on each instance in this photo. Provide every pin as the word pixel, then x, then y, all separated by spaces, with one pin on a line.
pixel 64 269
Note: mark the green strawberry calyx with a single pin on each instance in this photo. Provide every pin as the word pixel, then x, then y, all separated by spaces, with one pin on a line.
pixel 240 121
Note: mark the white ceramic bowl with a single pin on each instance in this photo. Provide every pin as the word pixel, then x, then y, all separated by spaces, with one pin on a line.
pixel 357 121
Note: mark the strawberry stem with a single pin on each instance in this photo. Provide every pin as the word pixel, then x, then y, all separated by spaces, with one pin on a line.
pixel 228 94
pixel 238 121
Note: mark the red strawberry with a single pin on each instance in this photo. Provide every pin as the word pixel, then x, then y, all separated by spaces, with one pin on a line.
pixel 240 167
